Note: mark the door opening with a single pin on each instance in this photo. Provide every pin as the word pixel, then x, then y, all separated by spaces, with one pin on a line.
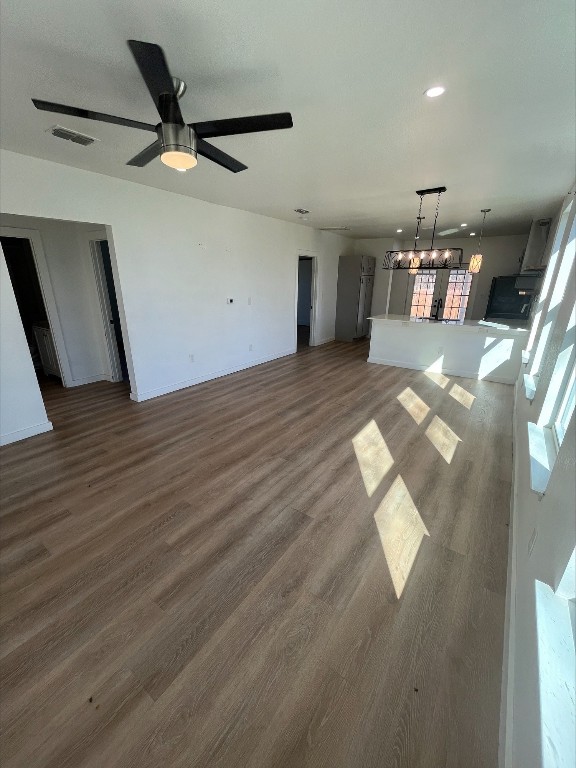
pixel 30 301
pixel 109 308
pixel 304 304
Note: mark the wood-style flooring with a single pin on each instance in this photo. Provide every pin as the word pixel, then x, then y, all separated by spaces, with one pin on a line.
pixel 302 564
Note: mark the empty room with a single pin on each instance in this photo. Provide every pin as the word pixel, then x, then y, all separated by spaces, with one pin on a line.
pixel 287 384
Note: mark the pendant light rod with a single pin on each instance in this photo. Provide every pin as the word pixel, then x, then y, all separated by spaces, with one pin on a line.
pixel 484 211
pixel 435 220
pixel 418 219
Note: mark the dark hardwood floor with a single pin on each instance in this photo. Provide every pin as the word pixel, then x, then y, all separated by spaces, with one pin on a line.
pixel 302 564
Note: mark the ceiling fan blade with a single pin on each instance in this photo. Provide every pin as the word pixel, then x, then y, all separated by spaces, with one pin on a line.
pixel 217 156
pixel 238 125
pixel 147 155
pixel 154 70
pixel 62 109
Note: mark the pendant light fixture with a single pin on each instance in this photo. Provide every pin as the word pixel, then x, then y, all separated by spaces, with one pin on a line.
pixel 476 259
pixel 417 259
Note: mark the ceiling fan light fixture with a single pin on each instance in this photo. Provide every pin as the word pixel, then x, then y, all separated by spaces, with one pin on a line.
pixel 179 159
pixel 178 146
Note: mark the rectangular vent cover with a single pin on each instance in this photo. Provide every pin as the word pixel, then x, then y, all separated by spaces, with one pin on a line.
pixel 68 135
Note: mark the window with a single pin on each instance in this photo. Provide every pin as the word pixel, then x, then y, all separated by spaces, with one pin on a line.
pixel 566 408
pixel 457 294
pixel 423 294
pixel 550 273
pixel 556 404
pixel 558 284
pixel 452 287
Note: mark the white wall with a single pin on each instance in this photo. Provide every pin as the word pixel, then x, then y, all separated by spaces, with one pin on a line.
pixel 502 256
pixel 538 681
pixel 176 261
pixel 552 516
pixel 22 411
pixel 69 264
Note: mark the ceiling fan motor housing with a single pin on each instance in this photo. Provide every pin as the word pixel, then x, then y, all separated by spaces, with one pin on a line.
pixel 177 138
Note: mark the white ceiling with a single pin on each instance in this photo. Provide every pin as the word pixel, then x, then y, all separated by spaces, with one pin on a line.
pixel 352 74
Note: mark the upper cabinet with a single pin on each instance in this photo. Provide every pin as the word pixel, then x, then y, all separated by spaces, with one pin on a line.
pixel 535 255
pixel 368 265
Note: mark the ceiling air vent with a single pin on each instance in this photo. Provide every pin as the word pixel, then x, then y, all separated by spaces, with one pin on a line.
pixel 68 135
pixel 335 229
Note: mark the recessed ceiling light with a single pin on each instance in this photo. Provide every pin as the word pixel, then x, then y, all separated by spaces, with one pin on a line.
pixel 472 234
pixel 463 225
pixel 436 90
pixel 398 230
pixel 301 211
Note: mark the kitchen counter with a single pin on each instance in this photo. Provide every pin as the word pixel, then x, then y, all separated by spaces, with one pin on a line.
pixel 477 349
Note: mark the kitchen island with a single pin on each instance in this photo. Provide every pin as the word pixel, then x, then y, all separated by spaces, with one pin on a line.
pixel 475 349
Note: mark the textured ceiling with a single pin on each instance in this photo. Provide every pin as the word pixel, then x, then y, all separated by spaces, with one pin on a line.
pixel 353 76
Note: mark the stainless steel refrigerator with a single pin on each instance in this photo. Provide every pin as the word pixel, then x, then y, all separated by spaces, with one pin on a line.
pixel 354 298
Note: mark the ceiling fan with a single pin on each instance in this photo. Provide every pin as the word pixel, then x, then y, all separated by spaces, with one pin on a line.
pixel 178 144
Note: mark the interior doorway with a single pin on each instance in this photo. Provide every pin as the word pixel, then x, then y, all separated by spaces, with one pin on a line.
pixel 109 308
pixel 305 301
pixel 31 305
pixel 62 275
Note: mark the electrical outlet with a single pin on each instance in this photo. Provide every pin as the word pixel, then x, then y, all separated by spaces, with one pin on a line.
pixel 191 358
pixel 250 348
pixel 532 541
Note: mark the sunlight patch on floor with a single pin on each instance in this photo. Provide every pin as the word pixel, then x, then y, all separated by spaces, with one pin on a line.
pixel 373 456
pixel 415 406
pixel 462 395
pixel 442 438
pixel 401 530
pixel 434 373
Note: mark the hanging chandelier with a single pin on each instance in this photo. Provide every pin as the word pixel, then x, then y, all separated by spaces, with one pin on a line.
pixel 430 258
pixel 476 259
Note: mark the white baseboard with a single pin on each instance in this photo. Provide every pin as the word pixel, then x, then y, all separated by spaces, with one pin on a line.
pixel 22 434
pixel 445 371
pixel 505 750
pixel 322 341
pixel 140 397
